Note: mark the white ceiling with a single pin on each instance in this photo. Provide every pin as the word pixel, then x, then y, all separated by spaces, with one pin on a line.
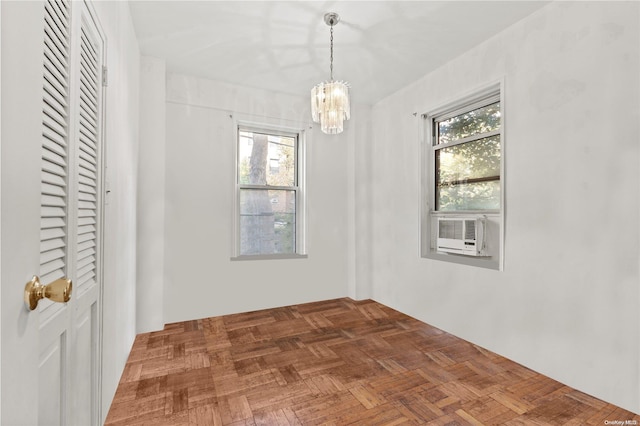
pixel 283 46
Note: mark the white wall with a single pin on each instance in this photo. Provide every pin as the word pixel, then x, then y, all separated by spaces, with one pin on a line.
pixel 200 278
pixel 119 300
pixel 360 196
pixel 567 302
pixel 151 183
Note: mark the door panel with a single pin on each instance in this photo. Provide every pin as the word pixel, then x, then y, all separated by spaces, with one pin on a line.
pixel 52 366
pixel 84 401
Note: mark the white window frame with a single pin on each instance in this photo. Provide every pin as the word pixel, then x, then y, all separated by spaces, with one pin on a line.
pixel 493 92
pixel 299 188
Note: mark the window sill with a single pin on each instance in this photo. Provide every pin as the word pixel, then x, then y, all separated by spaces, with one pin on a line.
pixel 455 213
pixel 480 261
pixel 269 257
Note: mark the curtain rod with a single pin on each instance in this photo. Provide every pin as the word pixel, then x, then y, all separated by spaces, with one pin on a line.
pixel 231 113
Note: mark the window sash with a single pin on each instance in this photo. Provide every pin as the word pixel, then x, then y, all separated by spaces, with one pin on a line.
pixel 464 108
pixel 434 121
pixel 267 187
pixel 483 116
pixel 297 239
pixel 272 231
pixel 465 181
pixel 284 134
pixel 467 139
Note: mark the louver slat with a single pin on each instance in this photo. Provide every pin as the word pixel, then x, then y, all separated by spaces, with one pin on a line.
pixel 86 221
pixel 56 180
pixel 56 115
pixel 86 245
pixel 88 161
pixel 52 255
pixel 87 148
pixel 48 245
pixel 52 200
pixel 86 189
pixel 84 196
pixel 90 252
pixel 51 222
pixel 88 140
pixel 86 98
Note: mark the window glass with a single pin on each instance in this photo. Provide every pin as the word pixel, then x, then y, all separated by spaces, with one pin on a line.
pixel 480 120
pixel 468 175
pixel 470 196
pixel 267 221
pixel 267 160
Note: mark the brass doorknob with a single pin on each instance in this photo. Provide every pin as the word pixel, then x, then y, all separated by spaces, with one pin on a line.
pixel 57 291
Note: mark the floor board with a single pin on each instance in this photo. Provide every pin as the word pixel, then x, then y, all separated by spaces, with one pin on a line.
pixel 337 362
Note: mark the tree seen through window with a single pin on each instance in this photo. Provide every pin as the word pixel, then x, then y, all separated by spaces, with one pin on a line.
pixel 467 160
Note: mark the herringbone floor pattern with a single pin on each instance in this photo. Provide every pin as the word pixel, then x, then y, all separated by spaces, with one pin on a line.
pixel 337 362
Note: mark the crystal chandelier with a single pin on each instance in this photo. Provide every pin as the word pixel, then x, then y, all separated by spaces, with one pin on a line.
pixel 330 99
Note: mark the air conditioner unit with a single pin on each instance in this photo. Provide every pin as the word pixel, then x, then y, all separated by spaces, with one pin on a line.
pixel 461 235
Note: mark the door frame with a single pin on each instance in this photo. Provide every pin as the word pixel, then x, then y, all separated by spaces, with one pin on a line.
pixel 0 204
pixel 93 15
pixel 86 10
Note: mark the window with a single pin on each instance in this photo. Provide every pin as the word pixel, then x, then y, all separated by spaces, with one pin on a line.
pixel 466 147
pixel 269 193
pixel 463 178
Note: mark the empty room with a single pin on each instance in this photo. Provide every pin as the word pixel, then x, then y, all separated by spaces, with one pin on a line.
pixel 319 212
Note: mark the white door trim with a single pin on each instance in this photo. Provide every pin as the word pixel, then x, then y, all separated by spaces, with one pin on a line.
pixel 102 210
pixel 0 205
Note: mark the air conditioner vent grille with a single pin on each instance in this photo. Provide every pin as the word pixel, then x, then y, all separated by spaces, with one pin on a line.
pixel 451 229
pixel 470 230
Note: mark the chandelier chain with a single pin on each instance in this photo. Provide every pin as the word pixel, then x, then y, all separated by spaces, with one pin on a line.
pixel 331 57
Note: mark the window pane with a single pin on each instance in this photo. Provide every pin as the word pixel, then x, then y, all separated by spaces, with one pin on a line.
pixel 469 196
pixel 266 159
pixel 481 120
pixel 468 175
pixel 267 221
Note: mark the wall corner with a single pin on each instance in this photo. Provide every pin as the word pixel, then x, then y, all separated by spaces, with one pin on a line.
pixel 151 196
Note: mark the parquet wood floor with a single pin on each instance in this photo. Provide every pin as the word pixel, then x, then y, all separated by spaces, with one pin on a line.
pixel 337 362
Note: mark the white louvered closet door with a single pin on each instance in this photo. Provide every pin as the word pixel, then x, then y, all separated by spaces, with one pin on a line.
pixel 69 336
pixel 54 358
pixel 88 151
